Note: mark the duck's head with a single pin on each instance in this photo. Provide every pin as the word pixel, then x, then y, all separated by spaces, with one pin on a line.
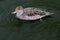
pixel 18 9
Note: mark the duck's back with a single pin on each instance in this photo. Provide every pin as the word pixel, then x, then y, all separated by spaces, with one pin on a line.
pixel 28 10
pixel 33 11
pixel 31 8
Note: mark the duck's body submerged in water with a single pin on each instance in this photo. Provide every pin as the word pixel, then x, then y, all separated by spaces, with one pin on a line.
pixel 30 13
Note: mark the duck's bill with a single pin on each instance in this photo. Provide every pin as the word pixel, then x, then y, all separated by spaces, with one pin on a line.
pixel 13 12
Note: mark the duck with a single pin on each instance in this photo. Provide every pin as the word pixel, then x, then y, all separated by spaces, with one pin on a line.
pixel 30 13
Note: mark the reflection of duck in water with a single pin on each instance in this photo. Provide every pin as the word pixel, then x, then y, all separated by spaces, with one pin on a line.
pixel 30 13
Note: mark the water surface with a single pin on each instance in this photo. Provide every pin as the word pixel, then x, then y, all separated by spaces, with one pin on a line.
pixel 14 29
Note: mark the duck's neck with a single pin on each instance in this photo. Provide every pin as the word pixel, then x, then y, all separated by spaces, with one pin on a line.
pixel 20 12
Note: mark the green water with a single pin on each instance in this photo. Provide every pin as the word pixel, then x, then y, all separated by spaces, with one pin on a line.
pixel 14 29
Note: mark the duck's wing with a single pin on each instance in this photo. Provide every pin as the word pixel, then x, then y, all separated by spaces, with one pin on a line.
pixel 32 11
pixel 28 11
pixel 35 11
